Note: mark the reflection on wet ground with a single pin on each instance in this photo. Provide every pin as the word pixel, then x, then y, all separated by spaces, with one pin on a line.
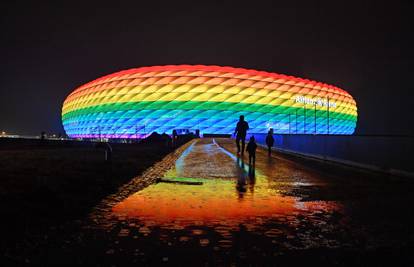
pixel 230 198
pixel 210 208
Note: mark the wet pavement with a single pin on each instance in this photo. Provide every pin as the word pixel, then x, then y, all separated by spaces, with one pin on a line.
pixel 211 208
pixel 226 196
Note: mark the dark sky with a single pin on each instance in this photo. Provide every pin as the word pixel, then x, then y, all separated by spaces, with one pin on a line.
pixel 364 47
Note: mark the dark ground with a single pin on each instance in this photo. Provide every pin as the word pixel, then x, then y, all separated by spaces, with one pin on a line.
pixel 371 227
pixel 45 183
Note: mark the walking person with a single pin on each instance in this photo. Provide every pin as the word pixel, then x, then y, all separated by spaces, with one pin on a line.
pixel 270 141
pixel 174 138
pixel 251 148
pixel 240 132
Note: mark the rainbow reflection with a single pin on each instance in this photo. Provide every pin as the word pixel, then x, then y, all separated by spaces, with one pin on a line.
pixel 215 201
pixel 241 196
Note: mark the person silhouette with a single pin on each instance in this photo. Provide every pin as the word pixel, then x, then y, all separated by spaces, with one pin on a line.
pixel 174 138
pixel 240 132
pixel 251 148
pixel 270 141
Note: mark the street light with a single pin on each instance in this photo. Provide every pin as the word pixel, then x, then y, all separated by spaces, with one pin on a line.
pixel 296 121
pixel 289 123
pixel 304 118
pixel 328 113
pixel 314 117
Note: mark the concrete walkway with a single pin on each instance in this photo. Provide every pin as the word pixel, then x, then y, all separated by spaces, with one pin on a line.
pixel 220 211
pixel 231 191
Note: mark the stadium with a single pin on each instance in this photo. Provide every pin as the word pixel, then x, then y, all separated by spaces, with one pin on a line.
pixel 136 102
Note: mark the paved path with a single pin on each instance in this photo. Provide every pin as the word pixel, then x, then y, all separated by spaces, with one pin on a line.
pixel 233 214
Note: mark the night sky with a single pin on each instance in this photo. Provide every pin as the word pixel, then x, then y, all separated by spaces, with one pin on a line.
pixel 47 50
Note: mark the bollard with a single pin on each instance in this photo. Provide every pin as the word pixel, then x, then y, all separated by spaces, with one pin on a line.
pixel 108 152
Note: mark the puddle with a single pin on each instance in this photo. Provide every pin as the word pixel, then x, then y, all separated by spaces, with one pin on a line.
pixel 202 204
pixel 213 201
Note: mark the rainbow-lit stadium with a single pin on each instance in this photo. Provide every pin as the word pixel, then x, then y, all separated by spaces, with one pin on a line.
pixel 136 102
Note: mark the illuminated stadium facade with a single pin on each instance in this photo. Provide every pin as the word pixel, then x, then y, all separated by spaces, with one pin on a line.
pixel 136 102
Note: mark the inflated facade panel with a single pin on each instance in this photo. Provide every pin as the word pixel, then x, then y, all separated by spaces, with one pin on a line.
pixel 137 102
